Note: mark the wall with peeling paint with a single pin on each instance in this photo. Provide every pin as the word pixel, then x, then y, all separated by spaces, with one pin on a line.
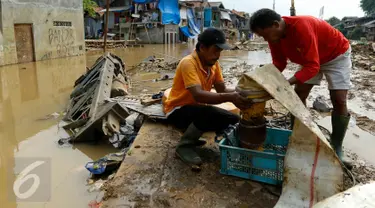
pixel 57 26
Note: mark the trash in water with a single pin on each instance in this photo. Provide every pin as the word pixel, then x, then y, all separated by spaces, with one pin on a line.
pixel 96 186
pixel 106 164
pixel 50 116
pixel 158 95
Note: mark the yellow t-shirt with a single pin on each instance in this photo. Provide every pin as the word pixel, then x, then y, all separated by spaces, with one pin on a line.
pixel 191 73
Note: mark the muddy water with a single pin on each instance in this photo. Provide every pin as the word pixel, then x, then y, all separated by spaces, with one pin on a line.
pixel 32 96
pixel 356 140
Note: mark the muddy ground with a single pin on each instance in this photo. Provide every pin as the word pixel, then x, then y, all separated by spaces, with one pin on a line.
pixel 158 186
pixel 361 102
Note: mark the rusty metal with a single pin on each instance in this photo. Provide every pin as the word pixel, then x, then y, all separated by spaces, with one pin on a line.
pixel 252 127
pixel 252 136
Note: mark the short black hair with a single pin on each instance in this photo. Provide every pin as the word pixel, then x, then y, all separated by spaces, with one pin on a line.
pixel 263 18
pixel 198 46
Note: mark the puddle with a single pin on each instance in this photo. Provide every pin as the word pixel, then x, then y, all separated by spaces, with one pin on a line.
pixel 30 92
pixel 357 141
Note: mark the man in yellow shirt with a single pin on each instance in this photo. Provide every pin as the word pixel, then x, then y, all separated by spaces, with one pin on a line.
pixel 186 106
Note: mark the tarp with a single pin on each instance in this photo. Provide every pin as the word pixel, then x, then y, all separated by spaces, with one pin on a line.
pixel 186 32
pixel 170 12
pixel 312 170
pixel 191 22
pixel 143 1
pixel 207 17
pixel 225 15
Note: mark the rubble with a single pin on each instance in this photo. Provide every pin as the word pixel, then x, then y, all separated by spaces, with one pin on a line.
pixel 99 44
pixel 91 113
pixel 251 46
pixel 321 105
pixel 362 172
pixel 153 64
pixel 363 56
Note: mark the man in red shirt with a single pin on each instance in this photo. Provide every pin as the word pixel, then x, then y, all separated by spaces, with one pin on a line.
pixel 321 50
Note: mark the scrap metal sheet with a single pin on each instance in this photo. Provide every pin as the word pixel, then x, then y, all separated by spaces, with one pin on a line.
pixel 312 171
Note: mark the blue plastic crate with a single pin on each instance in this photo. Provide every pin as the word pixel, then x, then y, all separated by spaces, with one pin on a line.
pixel 266 166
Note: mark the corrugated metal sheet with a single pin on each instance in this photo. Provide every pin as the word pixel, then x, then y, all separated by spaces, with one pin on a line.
pixel 225 15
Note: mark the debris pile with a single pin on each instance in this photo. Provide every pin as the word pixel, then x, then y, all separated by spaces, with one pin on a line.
pixel 99 44
pixel 153 64
pixel 233 73
pixel 363 56
pixel 91 113
pixel 362 172
pixel 252 46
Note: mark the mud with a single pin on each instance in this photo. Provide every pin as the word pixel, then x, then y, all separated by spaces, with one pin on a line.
pixel 154 177
pixel 362 171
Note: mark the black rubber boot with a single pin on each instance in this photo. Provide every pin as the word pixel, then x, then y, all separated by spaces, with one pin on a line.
pixel 185 148
pixel 339 126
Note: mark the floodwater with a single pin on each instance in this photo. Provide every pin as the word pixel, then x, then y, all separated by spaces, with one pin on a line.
pixel 32 99
pixel 356 140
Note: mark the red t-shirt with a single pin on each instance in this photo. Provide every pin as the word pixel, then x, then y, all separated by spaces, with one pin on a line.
pixel 310 42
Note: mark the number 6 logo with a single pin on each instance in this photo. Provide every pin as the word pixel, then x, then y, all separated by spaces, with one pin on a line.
pixel 23 177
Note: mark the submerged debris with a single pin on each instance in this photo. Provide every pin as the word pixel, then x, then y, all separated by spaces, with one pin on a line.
pixel 153 64
pixel 252 46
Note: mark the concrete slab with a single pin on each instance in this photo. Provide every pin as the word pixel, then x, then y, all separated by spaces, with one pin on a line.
pixel 151 176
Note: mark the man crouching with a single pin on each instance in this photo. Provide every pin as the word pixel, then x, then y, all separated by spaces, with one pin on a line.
pixel 186 105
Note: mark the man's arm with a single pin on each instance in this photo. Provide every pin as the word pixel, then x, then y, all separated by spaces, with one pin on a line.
pixel 219 81
pixel 278 58
pixel 202 96
pixel 308 46
pixel 193 84
pixel 221 88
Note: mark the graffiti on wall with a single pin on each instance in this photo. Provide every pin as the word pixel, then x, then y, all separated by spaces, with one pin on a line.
pixel 63 40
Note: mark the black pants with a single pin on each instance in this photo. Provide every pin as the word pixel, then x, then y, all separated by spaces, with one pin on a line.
pixel 205 118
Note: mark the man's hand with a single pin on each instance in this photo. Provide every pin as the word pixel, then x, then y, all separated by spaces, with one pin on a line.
pixel 293 80
pixel 240 101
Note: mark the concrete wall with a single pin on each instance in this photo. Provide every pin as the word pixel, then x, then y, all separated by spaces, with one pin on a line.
pixel 50 41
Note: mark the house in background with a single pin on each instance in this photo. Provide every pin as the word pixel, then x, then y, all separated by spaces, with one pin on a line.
pixel 369 30
pixel 226 20
pixel 94 25
pixel 32 32
pixel 216 8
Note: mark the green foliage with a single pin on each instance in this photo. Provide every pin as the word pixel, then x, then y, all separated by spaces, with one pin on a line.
pixel 355 34
pixel 333 21
pixel 89 7
pixel 368 6
pixel 342 29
